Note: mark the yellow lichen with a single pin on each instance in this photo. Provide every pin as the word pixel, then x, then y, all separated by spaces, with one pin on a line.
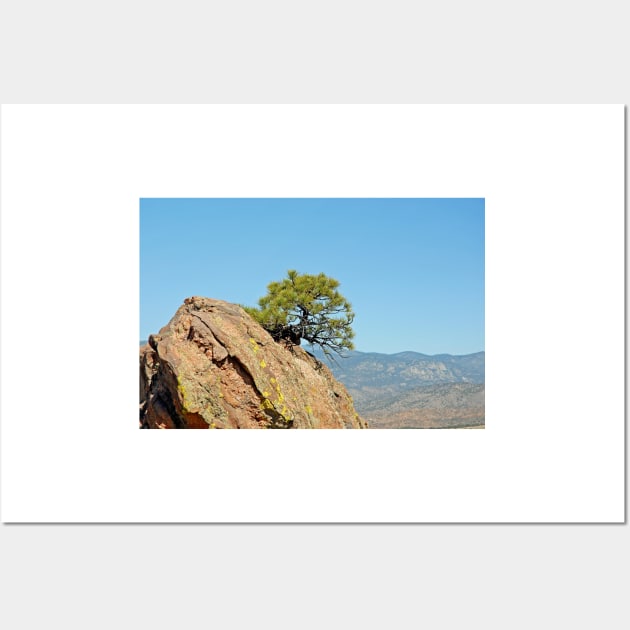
pixel 182 391
pixel 252 341
pixel 278 392
pixel 263 364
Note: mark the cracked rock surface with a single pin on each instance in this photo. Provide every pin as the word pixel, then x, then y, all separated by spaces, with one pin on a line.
pixel 213 367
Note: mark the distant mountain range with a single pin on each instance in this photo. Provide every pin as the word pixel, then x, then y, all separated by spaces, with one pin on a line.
pixel 445 406
pixel 407 369
pixel 414 390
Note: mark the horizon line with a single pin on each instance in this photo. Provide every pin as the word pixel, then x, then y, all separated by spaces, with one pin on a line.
pixel 391 354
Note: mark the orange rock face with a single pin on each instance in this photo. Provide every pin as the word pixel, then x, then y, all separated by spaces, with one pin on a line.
pixel 213 367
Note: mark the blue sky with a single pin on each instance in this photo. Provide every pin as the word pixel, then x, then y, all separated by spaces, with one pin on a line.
pixel 413 269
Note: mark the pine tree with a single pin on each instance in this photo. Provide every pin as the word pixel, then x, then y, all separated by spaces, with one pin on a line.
pixel 308 307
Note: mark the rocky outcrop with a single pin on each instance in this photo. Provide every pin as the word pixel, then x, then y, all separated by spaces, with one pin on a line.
pixel 213 367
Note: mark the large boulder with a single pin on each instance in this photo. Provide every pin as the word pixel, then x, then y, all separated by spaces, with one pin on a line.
pixel 213 367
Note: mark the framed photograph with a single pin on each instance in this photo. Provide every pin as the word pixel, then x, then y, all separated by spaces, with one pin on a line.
pixel 398 344
pixel 244 244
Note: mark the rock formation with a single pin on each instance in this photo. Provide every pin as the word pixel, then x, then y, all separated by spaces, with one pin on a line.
pixel 212 366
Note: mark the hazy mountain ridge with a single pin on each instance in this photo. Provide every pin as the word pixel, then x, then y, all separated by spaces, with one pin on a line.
pixel 444 406
pixel 360 369
pixel 446 395
pixel 415 390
